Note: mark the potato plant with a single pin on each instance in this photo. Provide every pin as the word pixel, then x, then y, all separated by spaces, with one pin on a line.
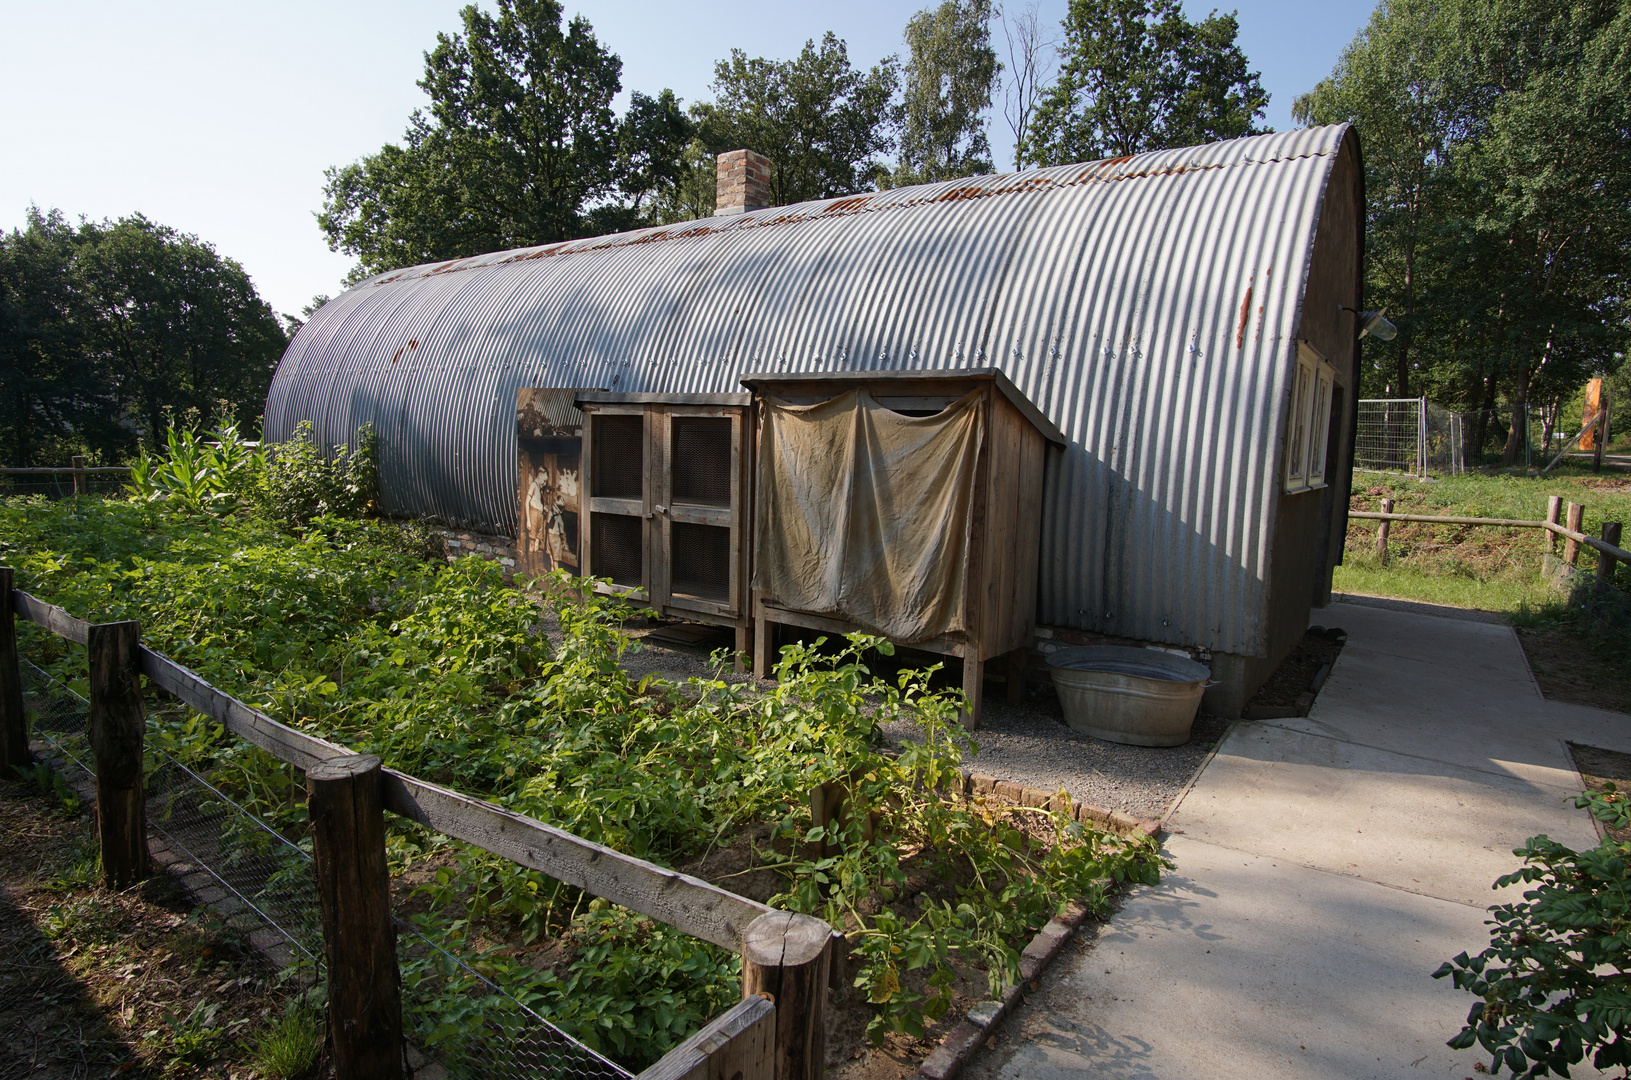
pixel 341 626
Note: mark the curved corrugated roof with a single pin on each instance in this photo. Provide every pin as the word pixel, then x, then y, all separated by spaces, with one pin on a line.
pixel 1147 305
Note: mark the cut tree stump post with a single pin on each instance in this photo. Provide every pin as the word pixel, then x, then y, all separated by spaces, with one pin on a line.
pixel 115 731
pixel 78 463
pixel 1554 515
pixel 12 720
pixel 1382 531
pixel 354 885
pixel 1602 430
pixel 1573 519
pixel 786 957
pixel 1605 561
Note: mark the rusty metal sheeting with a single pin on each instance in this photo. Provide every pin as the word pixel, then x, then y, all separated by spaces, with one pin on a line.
pixel 1147 305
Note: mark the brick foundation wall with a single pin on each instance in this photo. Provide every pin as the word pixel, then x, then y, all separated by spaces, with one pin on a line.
pixel 499 549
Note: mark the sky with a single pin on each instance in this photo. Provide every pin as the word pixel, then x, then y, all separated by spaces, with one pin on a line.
pixel 218 118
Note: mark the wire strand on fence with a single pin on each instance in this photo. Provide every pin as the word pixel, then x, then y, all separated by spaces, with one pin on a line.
pixel 472 1027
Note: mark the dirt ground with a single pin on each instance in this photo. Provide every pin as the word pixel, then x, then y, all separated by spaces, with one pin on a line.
pixel 96 984
pixel 1295 676
pixel 1567 669
pixel 1598 767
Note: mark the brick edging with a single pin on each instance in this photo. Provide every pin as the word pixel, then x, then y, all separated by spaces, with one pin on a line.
pixel 960 1044
pixel 976 784
pixel 962 1041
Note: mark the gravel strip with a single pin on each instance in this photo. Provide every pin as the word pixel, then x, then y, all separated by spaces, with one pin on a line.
pixel 1028 743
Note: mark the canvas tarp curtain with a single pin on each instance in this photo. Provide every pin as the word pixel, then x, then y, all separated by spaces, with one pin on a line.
pixel 863 512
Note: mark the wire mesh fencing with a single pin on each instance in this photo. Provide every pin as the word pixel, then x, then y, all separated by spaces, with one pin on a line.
pixel 260 882
pixel 1418 438
pixel 1390 436
pixel 60 485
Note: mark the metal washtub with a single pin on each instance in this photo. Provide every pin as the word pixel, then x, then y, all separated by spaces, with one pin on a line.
pixel 1140 696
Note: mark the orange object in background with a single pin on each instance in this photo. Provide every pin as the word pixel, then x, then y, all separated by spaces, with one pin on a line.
pixel 1594 401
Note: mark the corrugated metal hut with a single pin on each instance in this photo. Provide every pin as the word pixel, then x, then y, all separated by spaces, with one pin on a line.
pixel 1178 315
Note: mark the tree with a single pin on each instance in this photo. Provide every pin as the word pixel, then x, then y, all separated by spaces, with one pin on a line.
pixel 107 328
pixel 1498 178
pixel 175 325
pixel 652 141
pixel 694 194
pixel 48 389
pixel 1028 49
pixel 950 77
pixel 1139 76
pixel 519 146
pixel 821 122
pixel 1548 180
pixel 1400 84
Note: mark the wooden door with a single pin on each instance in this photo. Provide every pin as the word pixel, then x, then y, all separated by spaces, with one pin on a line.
pixel 616 538
pixel 700 512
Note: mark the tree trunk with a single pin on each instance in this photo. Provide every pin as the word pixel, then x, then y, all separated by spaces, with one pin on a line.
pixel 1518 433
pixel 1480 424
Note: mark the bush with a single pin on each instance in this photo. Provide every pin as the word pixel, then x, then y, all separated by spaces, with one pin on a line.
pixel 1555 982
pixel 302 483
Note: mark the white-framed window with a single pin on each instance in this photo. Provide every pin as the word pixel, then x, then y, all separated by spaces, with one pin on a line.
pixel 1308 428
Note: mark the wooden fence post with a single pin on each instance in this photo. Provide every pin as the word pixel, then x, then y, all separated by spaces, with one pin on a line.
pixel 1573 520
pixel 786 957
pixel 116 730
pixel 1605 561
pixel 1554 516
pixel 78 463
pixel 12 721
pixel 354 884
pixel 1382 530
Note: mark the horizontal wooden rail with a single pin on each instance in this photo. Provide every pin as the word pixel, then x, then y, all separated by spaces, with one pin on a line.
pixel 1514 523
pixel 686 903
pixel 737 1044
pixel 51 617
pixel 280 740
pixel 53 471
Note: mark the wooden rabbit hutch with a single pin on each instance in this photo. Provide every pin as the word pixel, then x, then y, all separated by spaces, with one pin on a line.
pixel 901 503
pixel 667 493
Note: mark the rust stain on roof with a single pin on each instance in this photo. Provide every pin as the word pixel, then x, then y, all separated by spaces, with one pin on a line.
pixel 844 206
pixel 1107 171
pixel 1245 313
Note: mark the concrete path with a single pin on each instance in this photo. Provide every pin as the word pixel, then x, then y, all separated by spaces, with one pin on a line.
pixel 1325 867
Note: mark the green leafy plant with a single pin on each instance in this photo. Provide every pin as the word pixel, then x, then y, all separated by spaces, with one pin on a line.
pixel 209 471
pixel 48 782
pixel 343 627
pixel 303 483
pixel 1555 982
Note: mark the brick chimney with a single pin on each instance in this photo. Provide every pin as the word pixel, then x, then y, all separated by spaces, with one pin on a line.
pixel 744 183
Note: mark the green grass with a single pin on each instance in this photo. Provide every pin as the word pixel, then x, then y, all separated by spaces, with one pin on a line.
pixel 1506 594
pixel 1606 496
pixel 289 1048
pixel 1472 566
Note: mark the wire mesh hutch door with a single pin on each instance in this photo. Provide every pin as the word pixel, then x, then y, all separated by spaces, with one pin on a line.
pixel 668 515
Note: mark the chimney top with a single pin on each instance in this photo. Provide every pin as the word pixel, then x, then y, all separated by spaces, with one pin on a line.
pixel 743 184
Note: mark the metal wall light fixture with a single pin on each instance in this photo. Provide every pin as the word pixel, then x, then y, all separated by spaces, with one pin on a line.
pixel 1373 322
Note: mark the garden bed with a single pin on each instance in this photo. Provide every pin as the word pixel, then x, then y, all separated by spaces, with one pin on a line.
pixel 350 630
